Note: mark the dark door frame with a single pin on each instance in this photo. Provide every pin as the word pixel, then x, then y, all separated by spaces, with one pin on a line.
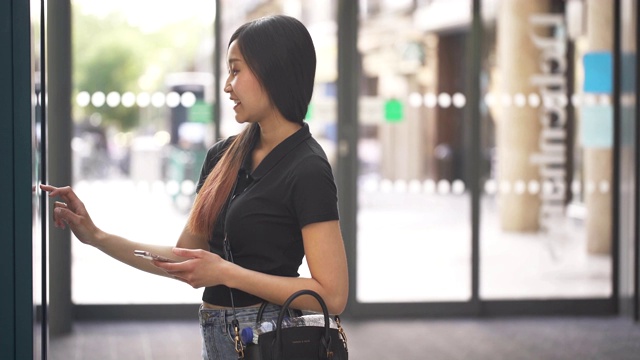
pixel 16 94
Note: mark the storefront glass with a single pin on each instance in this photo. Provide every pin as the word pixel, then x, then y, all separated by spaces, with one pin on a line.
pixel 546 135
pixel 143 115
pixel 545 167
pixel 142 104
pixel 546 227
pixel 414 230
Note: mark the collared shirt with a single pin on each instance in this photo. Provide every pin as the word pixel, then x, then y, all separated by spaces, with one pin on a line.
pixel 293 186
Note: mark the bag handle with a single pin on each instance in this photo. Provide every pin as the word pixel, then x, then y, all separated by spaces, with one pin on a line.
pixel 263 306
pixel 239 346
pixel 326 339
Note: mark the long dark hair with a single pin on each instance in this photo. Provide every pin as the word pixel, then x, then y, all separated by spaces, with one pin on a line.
pixel 279 51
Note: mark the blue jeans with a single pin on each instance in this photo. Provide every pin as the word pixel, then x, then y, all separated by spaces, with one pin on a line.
pixel 218 333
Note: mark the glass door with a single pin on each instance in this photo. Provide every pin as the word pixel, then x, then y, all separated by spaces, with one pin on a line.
pixel 546 210
pixel 540 225
pixel 414 210
pixel 142 120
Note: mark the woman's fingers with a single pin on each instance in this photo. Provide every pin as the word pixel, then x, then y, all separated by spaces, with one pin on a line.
pixel 70 211
pixel 71 200
pixel 46 187
pixel 65 215
pixel 182 271
pixel 187 253
pixel 66 193
pixel 52 190
pixel 174 270
pixel 57 219
pixel 200 268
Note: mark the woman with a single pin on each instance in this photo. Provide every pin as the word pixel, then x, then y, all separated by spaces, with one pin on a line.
pixel 268 191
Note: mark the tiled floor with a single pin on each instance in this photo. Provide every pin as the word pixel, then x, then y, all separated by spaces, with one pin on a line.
pixel 129 340
pixel 606 338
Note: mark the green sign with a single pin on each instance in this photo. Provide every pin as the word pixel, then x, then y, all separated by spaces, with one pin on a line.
pixel 393 111
pixel 309 114
pixel 201 112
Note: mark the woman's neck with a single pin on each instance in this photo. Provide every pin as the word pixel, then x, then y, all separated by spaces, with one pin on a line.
pixel 275 131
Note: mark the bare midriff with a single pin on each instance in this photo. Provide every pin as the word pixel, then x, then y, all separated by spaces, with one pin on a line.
pixel 206 305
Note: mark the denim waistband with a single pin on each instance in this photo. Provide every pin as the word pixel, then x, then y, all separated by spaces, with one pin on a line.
pixel 225 316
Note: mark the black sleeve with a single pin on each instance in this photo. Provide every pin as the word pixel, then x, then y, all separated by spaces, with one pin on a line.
pixel 314 193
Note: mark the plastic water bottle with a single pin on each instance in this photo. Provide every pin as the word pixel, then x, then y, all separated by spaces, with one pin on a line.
pixel 309 320
pixel 250 334
pixel 315 320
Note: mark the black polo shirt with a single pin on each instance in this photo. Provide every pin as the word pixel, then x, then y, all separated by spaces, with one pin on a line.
pixel 292 187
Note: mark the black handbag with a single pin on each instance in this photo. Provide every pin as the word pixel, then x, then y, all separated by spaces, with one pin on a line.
pixel 300 342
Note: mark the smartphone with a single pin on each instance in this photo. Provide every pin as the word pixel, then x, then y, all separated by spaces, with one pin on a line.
pixel 151 256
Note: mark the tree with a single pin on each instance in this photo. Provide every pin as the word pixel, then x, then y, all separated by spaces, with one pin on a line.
pixel 109 55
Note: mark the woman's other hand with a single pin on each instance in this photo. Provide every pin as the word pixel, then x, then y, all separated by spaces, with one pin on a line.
pixel 71 212
pixel 203 268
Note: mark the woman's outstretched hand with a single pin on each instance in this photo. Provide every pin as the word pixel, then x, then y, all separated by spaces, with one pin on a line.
pixel 72 212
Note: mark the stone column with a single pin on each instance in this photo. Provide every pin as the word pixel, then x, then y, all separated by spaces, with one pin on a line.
pixel 517 127
pixel 598 164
